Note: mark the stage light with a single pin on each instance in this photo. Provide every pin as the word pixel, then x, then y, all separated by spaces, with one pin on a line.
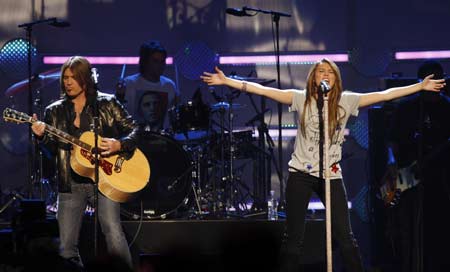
pixel 13 58
pixel 411 55
pixel 100 60
pixel 284 59
pixel 197 57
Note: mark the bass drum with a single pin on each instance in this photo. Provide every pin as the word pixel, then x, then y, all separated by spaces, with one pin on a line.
pixel 170 178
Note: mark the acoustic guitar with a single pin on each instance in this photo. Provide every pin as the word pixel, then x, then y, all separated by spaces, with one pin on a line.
pixel 119 177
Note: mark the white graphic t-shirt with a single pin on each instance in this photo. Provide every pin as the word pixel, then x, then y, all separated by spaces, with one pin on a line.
pixel 148 101
pixel 305 157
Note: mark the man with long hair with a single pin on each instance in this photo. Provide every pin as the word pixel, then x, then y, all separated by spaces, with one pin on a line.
pixel 305 175
pixel 74 114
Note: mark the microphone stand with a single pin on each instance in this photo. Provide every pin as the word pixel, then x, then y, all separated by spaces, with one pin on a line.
pixel 276 19
pixel 95 127
pixel 322 105
pixel 31 153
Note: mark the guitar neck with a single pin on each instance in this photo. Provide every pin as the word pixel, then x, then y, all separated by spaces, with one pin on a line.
pixel 65 136
pixel 18 117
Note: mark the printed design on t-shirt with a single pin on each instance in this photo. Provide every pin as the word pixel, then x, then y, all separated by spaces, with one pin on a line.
pixel 151 108
pixel 335 168
pixel 313 138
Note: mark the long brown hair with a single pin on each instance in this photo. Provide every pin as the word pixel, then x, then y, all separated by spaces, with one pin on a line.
pixel 334 95
pixel 81 69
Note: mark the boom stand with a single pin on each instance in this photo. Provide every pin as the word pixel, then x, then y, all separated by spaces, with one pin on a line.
pixel 31 153
pixel 29 29
pixel 276 19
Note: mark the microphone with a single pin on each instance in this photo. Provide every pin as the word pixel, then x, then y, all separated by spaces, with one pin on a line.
pixel 237 12
pixel 256 117
pixel 325 86
pixel 94 75
pixel 58 23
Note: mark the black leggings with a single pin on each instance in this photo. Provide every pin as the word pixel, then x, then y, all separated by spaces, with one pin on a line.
pixel 300 187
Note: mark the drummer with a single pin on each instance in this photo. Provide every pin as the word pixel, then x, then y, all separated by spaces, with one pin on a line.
pixel 148 94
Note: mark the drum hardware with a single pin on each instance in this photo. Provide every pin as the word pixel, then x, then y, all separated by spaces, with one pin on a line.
pixel 265 156
pixel 229 145
pixel 199 180
pixel 225 185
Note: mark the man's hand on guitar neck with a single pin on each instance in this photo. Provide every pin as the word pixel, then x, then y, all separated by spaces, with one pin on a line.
pixel 38 127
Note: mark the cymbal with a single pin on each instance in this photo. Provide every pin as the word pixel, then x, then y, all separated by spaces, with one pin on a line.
pixel 261 81
pixel 37 82
pixel 226 106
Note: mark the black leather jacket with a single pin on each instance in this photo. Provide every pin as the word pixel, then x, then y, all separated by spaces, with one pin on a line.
pixel 115 122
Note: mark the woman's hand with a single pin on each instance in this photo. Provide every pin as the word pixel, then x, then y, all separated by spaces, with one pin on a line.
pixel 434 85
pixel 218 78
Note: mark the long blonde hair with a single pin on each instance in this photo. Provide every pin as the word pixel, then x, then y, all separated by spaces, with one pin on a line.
pixel 334 95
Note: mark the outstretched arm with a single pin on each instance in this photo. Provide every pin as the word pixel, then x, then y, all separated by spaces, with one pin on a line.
pixel 219 78
pixel 427 84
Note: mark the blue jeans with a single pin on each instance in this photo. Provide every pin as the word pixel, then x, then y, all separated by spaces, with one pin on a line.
pixel 71 208
pixel 300 187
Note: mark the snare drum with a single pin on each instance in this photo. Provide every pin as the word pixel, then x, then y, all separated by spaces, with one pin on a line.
pixel 190 122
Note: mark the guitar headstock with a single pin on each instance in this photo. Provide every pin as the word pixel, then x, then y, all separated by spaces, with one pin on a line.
pixel 14 116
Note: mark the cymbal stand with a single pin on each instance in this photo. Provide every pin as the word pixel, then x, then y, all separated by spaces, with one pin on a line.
pixel 226 158
pixel 230 177
pixel 38 177
pixel 222 159
pixel 234 182
pixel 197 177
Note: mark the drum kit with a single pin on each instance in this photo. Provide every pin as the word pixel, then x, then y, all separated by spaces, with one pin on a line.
pixel 197 168
pixel 193 165
pixel 193 173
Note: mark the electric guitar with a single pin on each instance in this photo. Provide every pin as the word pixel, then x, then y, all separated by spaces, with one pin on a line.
pixel 119 177
pixel 394 184
pixel 405 178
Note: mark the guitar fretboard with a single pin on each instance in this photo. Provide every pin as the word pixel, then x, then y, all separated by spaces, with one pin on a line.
pixel 20 117
pixel 67 137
